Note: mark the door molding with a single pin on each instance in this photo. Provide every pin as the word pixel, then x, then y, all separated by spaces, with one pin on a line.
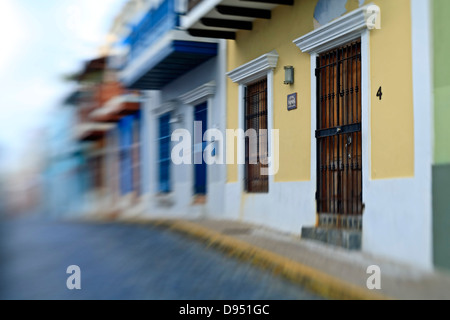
pixel 261 67
pixel 199 95
pixel 340 31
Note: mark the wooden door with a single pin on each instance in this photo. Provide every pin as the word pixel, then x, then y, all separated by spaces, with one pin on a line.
pixel 339 145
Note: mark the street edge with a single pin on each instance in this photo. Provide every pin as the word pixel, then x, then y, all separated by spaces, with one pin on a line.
pixel 316 281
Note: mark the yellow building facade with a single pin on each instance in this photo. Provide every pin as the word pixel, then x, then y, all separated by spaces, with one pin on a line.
pixel 339 93
pixel 392 216
pixel 390 66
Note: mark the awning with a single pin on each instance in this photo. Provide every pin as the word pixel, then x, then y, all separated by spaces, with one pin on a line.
pixel 166 60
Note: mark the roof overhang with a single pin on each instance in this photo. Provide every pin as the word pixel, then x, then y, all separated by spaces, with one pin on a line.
pixel 94 65
pixel 223 18
pixel 172 56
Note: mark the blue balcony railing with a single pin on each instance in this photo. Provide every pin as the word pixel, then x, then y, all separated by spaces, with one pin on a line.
pixel 155 24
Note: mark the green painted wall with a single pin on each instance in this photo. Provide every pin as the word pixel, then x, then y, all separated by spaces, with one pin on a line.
pixel 441 215
pixel 441 31
pixel 441 167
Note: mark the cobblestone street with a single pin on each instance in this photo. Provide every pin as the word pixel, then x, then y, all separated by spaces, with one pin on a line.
pixel 125 262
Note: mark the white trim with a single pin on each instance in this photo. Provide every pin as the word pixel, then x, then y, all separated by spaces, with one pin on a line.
pixel 222 102
pixel 209 122
pixel 270 124
pixel 199 95
pixel 83 128
pixel 342 30
pixel 113 105
pixel 198 12
pixel 422 85
pixel 241 140
pixel 254 69
pixel 165 107
pixel 365 114
pixel 421 15
pixel 313 173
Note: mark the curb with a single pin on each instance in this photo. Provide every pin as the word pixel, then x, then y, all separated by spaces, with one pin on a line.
pixel 316 281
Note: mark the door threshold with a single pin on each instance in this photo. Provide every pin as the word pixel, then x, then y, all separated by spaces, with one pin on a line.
pixel 349 239
pixel 340 221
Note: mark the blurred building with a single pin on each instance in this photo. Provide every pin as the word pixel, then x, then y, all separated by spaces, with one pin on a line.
pixel 109 128
pixel 65 179
pixel 183 80
pixel 94 148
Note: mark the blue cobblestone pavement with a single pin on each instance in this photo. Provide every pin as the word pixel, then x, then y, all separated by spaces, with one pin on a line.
pixel 120 262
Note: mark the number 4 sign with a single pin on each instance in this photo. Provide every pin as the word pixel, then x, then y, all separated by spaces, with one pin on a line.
pixel 380 93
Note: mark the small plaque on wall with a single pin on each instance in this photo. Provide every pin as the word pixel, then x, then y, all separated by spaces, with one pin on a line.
pixel 292 102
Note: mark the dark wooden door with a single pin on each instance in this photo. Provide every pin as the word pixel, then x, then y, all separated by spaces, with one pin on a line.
pixel 339 145
pixel 256 142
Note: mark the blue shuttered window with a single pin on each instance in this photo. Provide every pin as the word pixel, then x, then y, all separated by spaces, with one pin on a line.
pixel 136 153
pixel 125 145
pixel 164 159
pixel 130 153
pixel 200 170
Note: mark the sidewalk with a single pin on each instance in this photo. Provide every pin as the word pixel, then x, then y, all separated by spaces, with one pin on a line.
pixel 331 272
